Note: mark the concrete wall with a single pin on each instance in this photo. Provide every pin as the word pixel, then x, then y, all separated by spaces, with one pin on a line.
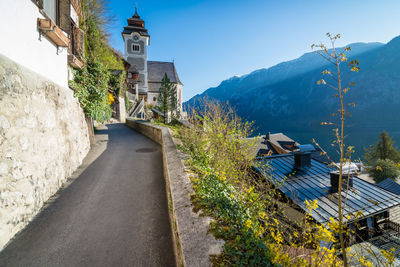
pixel 193 243
pixel 20 41
pixel 43 139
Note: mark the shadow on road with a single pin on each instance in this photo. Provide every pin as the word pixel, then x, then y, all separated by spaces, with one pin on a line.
pixel 114 213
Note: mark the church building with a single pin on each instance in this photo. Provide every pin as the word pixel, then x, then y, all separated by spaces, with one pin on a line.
pixel 144 77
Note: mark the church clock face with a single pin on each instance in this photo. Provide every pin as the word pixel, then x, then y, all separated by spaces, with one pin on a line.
pixel 135 37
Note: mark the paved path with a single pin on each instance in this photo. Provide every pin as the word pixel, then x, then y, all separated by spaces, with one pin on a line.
pixel 114 214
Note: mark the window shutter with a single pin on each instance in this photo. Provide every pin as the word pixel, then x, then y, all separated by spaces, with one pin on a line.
pixel 64 11
pixel 78 40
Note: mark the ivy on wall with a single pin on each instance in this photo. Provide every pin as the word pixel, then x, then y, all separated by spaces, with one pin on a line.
pixel 91 89
pixel 95 80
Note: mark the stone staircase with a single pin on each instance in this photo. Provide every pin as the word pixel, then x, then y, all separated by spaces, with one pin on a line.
pixel 138 109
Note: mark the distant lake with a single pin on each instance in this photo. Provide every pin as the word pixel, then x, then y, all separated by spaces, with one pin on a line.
pixel 358 136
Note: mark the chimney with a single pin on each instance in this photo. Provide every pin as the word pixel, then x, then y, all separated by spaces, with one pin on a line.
pixel 302 159
pixel 347 180
pixel 267 136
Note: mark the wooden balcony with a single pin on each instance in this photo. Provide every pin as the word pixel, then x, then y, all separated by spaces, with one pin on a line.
pixel 53 32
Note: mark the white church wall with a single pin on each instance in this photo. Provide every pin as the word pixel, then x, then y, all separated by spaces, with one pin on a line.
pixel 179 96
pixel 152 98
pixel 20 41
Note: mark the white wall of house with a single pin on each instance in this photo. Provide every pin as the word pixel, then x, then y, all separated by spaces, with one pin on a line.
pixel 20 41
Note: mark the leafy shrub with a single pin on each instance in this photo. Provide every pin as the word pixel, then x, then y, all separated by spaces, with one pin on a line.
pixel 91 84
pixel 245 208
pixel 116 82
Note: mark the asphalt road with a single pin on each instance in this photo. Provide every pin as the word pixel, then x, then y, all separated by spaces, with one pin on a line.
pixel 114 214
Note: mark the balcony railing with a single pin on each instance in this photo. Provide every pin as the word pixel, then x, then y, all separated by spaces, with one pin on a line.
pixel 393 226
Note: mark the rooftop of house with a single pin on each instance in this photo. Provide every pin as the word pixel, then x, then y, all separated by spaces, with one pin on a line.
pixel 390 185
pixel 313 183
pixel 156 71
pixel 279 143
pixel 273 144
pixel 371 250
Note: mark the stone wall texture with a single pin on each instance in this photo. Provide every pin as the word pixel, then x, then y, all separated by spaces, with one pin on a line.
pixel 43 139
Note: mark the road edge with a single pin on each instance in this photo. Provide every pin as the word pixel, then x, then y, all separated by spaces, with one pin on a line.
pixel 192 243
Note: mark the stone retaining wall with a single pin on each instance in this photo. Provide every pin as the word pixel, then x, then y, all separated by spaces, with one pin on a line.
pixel 193 243
pixel 43 139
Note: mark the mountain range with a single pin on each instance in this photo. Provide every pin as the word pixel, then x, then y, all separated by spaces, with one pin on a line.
pixel 286 98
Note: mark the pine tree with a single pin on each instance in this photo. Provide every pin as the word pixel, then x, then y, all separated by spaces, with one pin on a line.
pixel 166 100
pixel 382 169
pixel 384 149
pixel 162 100
pixel 173 101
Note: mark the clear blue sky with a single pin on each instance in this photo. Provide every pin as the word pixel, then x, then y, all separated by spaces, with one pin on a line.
pixel 214 40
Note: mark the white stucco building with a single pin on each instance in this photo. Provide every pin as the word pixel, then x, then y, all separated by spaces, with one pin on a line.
pixel 41 35
pixel 43 131
pixel 148 74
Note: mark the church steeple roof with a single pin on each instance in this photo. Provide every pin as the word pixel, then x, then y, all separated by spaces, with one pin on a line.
pixel 136 15
pixel 135 24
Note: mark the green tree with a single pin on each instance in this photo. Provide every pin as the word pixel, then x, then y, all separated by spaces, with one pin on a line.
pixel 383 169
pixel 166 100
pixel 174 102
pixel 384 149
pixel 96 20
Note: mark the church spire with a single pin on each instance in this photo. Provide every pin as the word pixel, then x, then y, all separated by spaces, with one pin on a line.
pixel 135 24
pixel 136 14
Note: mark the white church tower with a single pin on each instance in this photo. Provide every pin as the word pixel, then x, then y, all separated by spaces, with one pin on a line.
pixel 136 39
pixel 146 75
